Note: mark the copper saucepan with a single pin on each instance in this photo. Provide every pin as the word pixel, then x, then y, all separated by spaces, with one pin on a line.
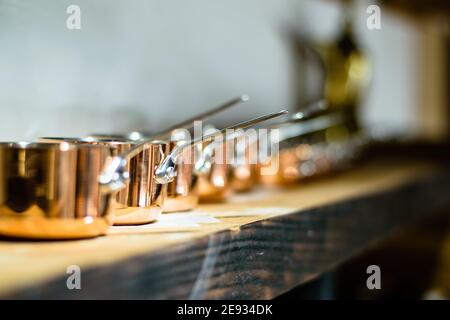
pixel 51 191
pixel 311 143
pixel 214 176
pixel 222 179
pixel 243 173
pixel 182 192
pixel 140 200
pixel 66 190
pixel 236 172
pixel 168 169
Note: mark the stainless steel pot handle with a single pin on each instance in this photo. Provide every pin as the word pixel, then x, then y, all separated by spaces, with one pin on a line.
pixel 291 130
pixel 188 123
pixel 166 172
pixel 310 110
pixel 114 176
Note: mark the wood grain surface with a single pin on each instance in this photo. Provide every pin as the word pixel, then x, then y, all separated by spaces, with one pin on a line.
pixel 257 245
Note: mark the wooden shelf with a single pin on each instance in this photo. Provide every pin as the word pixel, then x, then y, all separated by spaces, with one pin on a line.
pixel 257 245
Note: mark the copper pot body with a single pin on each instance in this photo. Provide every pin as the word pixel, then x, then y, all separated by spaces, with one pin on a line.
pixel 182 193
pixel 214 186
pixel 292 164
pixel 245 174
pixel 312 156
pixel 51 191
pixel 244 177
pixel 142 199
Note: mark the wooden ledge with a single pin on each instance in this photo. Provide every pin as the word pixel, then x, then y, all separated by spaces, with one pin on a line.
pixel 257 245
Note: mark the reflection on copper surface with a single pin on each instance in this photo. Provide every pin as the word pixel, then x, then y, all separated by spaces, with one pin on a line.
pixel 48 191
pixel 215 185
pixel 182 193
pixel 142 199
pixel 144 194
pixel 307 160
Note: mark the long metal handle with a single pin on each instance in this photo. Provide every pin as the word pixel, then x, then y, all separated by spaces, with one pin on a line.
pixel 166 172
pixel 310 110
pixel 292 130
pixel 188 123
pixel 114 177
pixel 204 163
pixel 137 148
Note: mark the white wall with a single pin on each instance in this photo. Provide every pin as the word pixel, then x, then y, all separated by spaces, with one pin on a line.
pixel 143 64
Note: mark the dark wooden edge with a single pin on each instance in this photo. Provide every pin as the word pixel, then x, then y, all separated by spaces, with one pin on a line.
pixel 263 259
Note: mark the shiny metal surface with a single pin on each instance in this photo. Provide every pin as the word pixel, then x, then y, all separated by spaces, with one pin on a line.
pixel 215 178
pixel 213 182
pixel 182 192
pixel 138 199
pixel 312 154
pixel 142 202
pixel 246 170
pixel 245 174
pixel 166 170
pixel 65 188
pixel 51 191
pixel 184 187
pixel 165 134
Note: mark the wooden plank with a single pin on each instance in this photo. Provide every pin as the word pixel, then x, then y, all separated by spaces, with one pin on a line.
pixel 257 245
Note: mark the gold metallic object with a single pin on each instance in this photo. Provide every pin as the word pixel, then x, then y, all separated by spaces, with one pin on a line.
pixel 347 70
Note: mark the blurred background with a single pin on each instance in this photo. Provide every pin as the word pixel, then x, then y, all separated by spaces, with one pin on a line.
pixel 145 64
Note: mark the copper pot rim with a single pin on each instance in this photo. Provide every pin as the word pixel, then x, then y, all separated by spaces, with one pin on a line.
pixel 61 146
pixel 86 141
pixel 100 141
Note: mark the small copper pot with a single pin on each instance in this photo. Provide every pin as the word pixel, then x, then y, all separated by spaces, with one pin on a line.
pixel 213 170
pixel 218 180
pixel 210 182
pixel 140 200
pixel 51 191
pixel 310 148
pixel 66 190
pixel 245 174
pixel 214 186
pixel 213 175
pixel 182 194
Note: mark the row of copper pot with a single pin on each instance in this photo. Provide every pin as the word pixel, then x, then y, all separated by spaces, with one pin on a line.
pixel 77 187
pixel 64 188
